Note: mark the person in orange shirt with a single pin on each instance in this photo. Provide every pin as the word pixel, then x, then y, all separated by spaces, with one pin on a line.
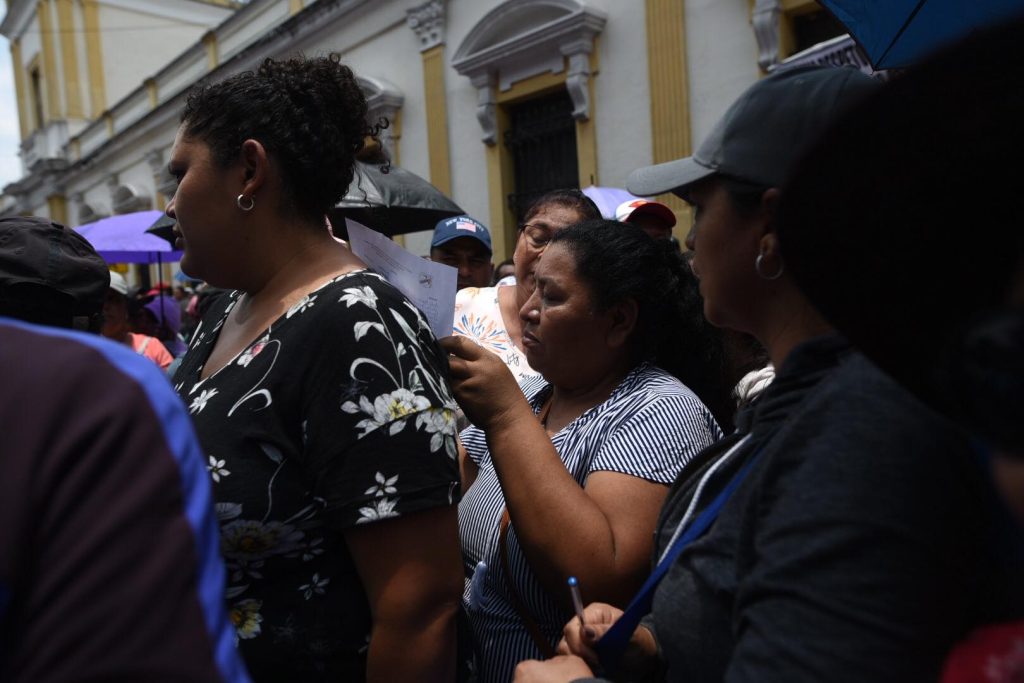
pixel 116 327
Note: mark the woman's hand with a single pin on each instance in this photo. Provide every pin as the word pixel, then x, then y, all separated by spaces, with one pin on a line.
pixel 485 389
pixel 641 652
pixel 561 669
pixel 599 617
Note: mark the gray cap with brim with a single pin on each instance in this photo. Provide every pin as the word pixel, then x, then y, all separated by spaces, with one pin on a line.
pixel 764 132
pixel 666 177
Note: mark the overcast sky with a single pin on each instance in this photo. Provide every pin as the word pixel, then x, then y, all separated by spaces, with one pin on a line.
pixel 10 165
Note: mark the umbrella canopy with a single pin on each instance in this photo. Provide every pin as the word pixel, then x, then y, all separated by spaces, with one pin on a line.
pixel 608 198
pixel 395 202
pixel 898 33
pixel 163 227
pixel 123 239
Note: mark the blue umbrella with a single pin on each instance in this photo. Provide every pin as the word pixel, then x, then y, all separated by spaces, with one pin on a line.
pixel 898 33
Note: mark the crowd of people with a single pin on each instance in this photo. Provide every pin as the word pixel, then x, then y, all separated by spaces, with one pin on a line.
pixel 793 452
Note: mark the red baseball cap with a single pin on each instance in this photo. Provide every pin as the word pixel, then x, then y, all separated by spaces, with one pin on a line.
pixel 632 208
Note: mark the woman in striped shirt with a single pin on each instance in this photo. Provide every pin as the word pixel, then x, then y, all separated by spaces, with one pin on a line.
pixel 566 477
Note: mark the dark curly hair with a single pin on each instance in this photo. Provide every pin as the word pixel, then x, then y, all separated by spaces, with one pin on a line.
pixel 309 114
pixel 619 261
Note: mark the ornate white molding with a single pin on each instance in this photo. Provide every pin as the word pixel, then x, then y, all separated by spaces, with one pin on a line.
pixel 766 30
pixel 427 21
pixel 87 213
pixel 17 18
pixel 523 38
pixel 129 198
pixel 155 159
pixel 578 83
pixel 163 181
pixel 486 107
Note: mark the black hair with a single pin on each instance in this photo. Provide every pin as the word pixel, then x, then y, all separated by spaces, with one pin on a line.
pixel 569 198
pixel 619 262
pixel 309 114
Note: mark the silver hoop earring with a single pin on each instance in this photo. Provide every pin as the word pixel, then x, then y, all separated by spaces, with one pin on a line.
pixel 775 276
pixel 245 207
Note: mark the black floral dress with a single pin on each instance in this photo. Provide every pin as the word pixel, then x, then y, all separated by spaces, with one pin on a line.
pixel 339 414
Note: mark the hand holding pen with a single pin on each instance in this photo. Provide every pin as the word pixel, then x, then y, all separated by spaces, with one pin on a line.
pixel 577 601
pixel 580 634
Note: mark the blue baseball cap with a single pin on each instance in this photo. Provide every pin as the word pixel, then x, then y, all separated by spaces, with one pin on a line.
pixel 461 226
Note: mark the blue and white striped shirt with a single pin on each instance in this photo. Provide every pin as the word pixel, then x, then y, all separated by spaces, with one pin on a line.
pixel 649 427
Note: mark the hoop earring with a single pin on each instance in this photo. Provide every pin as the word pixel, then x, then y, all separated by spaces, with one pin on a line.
pixel 245 207
pixel 759 261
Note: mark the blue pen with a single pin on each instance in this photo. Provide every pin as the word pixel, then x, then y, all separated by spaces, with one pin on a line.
pixel 577 601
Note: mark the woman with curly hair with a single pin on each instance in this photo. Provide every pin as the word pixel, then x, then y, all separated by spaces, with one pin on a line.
pixel 569 472
pixel 317 390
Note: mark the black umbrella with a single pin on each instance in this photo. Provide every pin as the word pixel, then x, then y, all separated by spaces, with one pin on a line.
pixel 393 203
pixel 163 227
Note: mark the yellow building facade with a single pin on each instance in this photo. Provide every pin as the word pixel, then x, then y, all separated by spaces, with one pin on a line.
pixel 467 86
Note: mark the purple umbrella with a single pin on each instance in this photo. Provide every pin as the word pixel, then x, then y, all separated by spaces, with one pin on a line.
pixel 123 239
pixel 608 198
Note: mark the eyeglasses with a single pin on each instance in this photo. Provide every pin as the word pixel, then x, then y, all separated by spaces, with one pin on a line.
pixel 537 234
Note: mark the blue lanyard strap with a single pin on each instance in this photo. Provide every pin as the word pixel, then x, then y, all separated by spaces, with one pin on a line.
pixel 613 643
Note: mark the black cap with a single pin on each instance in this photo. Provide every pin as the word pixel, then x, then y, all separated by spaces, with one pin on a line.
pixel 46 265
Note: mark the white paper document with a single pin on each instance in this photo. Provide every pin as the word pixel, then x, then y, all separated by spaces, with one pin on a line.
pixel 429 286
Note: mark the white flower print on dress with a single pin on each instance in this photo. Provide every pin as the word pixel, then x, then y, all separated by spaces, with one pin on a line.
pixel 423 324
pixel 311 550
pixel 359 295
pixel 383 508
pixel 246 617
pixel 216 469
pixel 228 511
pixel 369 352
pixel 384 486
pixel 388 408
pixel 242 568
pixel 234 591
pixel 362 327
pixel 440 423
pixel 253 351
pixel 301 305
pixel 200 401
pixel 316 585
pixel 248 539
